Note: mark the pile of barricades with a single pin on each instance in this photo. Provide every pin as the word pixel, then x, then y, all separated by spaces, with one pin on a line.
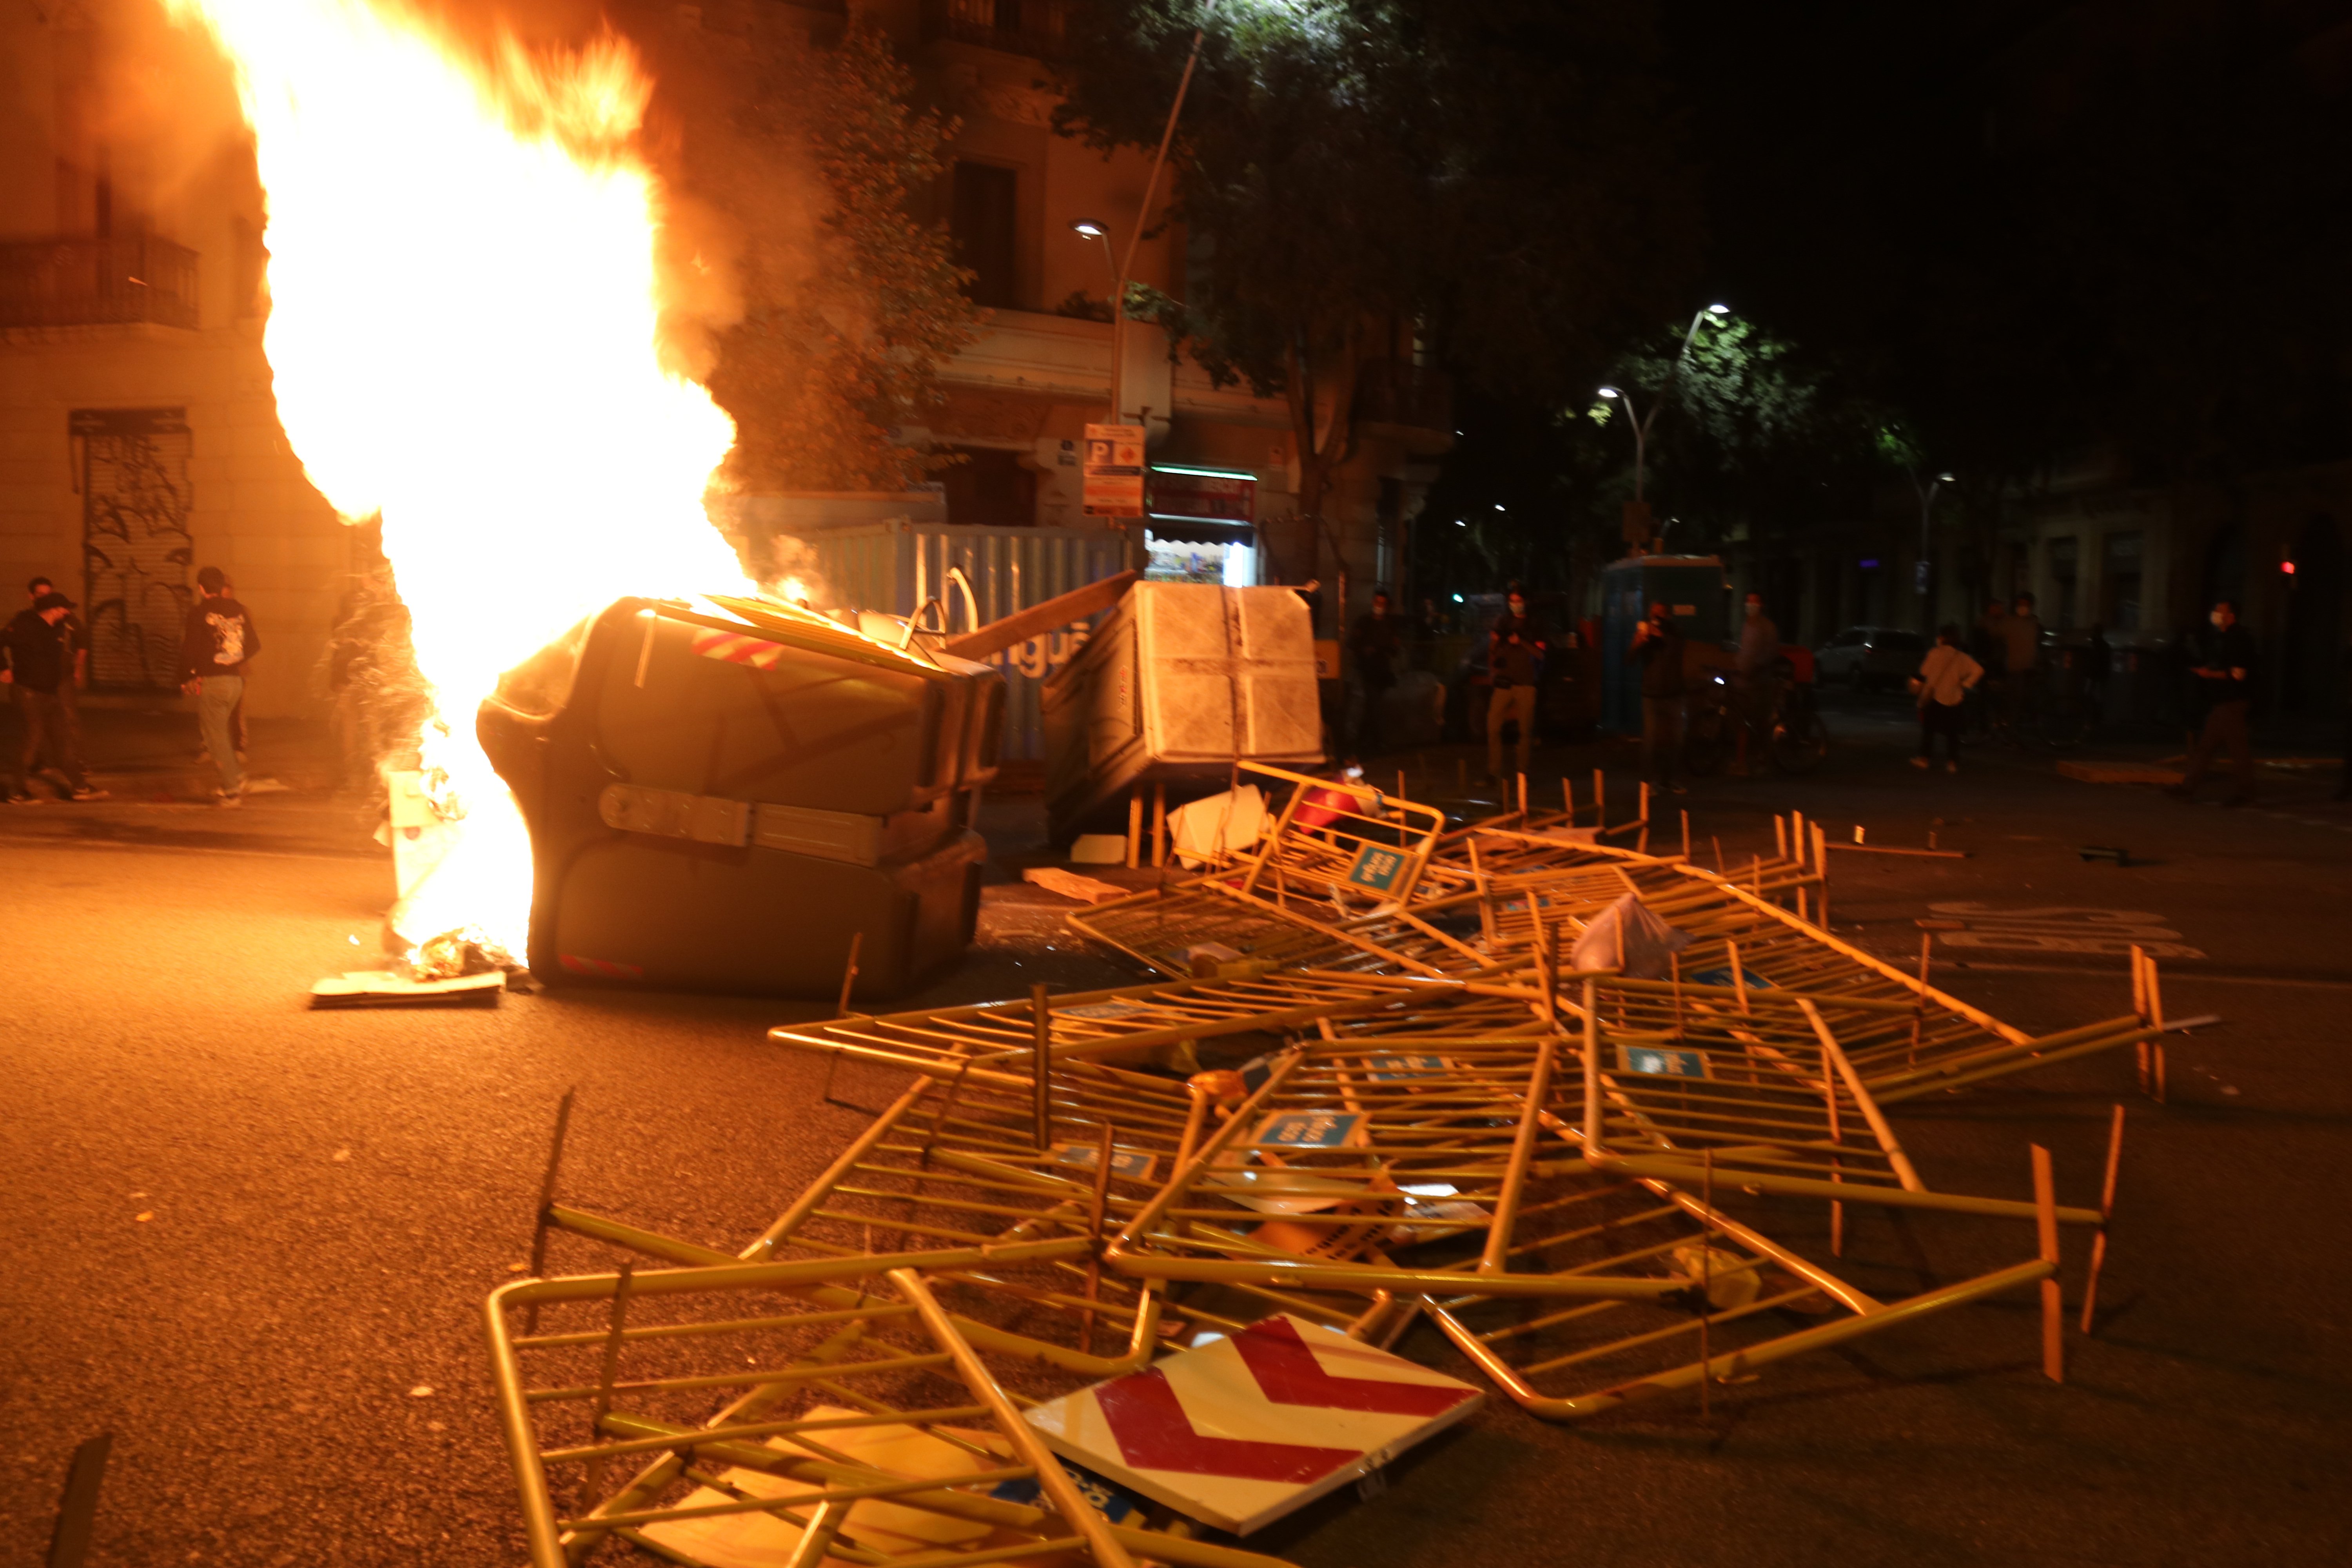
pixel 1074 1298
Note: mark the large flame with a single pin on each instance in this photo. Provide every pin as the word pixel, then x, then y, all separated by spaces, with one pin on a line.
pixel 464 335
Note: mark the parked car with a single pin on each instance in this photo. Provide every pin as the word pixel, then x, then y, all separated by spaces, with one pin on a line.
pixel 1871 658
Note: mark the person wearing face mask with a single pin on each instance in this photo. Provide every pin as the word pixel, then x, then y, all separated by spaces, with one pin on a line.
pixel 1752 682
pixel 1659 645
pixel 2222 670
pixel 1511 659
pixel 1377 646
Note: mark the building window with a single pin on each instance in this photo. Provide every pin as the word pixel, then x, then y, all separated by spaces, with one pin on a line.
pixel 990 489
pixel 982 226
pixel 2119 583
pixel 2064 568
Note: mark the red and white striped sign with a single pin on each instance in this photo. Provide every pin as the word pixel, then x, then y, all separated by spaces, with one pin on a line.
pixel 736 648
pixel 1241 1431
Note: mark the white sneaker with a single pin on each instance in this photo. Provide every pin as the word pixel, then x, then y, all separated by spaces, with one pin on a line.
pixel 227 797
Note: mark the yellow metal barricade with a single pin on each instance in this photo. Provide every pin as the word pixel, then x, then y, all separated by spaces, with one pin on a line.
pixel 981 1160
pixel 1354 1148
pixel 737 1412
pixel 1763 1302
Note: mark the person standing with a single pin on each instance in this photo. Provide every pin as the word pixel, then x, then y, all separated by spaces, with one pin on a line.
pixel 2223 670
pixel 1512 658
pixel 38 662
pixel 1990 649
pixel 77 641
pixel 2020 649
pixel 1945 678
pixel 214 646
pixel 1375 648
pixel 1758 693
pixel 1660 646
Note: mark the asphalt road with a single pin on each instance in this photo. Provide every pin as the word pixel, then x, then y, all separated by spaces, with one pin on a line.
pixel 252 1240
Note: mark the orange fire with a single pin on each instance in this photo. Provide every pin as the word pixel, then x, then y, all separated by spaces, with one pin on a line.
pixel 463 331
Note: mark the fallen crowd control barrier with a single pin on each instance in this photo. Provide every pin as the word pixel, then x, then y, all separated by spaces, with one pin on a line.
pixel 722 1414
pixel 1578 1106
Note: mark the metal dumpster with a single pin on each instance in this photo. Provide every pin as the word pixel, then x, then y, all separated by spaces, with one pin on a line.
pixel 1179 681
pixel 722 794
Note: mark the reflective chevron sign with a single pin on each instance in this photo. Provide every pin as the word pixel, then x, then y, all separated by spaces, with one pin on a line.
pixel 1241 1431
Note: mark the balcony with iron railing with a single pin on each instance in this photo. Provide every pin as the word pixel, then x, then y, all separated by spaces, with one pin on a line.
pixel 1034 28
pixel 1402 393
pixel 97 282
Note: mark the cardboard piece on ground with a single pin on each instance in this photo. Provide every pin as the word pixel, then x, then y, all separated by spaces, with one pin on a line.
pixel 1226 821
pixel 1070 885
pixel 1099 849
pixel 768 1540
pixel 389 988
pixel 2119 772
pixel 1241 1431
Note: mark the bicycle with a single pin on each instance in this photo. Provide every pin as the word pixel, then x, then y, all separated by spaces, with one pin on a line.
pixel 1711 724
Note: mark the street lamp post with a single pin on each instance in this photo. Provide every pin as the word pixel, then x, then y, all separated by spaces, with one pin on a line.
pixel 1090 229
pixel 1922 567
pixel 1642 425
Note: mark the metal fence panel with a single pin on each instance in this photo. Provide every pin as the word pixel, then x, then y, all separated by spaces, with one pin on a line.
pixel 899 566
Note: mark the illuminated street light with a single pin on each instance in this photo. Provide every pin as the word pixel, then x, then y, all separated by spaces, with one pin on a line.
pixel 1087 228
pixel 1641 424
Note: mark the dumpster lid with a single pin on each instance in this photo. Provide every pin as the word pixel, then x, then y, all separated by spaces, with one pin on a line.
pixel 790 625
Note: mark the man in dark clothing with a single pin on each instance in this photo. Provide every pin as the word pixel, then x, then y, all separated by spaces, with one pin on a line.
pixel 2222 667
pixel 76 638
pixel 38 662
pixel 1990 648
pixel 214 647
pixel 1375 648
pixel 1756 692
pixel 1659 645
pixel 1511 661
pixel 76 641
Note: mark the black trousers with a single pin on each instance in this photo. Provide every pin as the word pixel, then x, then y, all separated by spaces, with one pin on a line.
pixel 52 735
pixel 2226 729
pixel 1662 736
pixel 1938 719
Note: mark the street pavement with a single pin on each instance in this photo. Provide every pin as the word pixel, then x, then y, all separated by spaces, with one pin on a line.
pixel 252 1240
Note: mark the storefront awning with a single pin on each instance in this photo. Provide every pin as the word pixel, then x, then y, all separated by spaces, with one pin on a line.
pixel 1199 531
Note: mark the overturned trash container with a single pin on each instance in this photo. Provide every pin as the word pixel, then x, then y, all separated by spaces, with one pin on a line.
pixel 723 794
pixel 1179 682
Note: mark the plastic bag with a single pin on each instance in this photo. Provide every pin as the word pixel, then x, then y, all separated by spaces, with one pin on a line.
pixel 1626 936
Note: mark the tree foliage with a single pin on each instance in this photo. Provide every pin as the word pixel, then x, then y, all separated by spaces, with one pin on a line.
pixel 2042 230
pixel 1497 182
pixel 836 351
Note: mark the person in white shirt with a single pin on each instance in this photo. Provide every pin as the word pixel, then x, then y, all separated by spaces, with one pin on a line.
pixel 1945 678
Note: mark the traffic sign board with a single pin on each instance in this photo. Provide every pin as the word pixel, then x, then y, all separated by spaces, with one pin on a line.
pixel 1662 1061
pixel 1241 1431
pixel 1310 1129
pixel 1113 472
pixel 1378 867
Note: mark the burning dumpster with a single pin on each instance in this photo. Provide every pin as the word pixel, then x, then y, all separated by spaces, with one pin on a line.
pixel 1179 681
pixel 723 794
